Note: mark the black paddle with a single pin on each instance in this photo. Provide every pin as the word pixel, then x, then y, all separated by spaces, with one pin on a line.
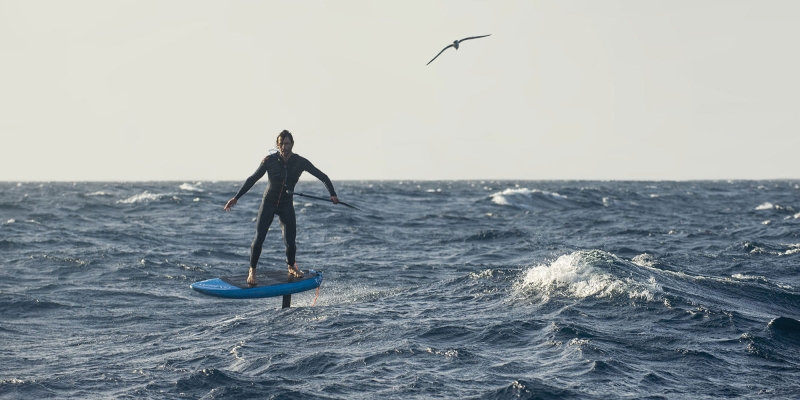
pixel 324 199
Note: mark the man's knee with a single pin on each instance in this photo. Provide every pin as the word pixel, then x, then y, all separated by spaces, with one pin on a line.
pixel 259 240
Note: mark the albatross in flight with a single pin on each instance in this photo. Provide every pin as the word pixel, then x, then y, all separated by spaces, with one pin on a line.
pixel 455 44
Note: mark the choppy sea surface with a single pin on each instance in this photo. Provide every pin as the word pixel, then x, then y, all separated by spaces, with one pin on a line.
pixel 466 289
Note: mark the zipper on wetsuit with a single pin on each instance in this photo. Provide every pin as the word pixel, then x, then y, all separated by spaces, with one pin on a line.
pixel 283 184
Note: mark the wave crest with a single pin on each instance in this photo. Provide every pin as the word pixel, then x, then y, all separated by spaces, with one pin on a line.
pixel 581 275
pixel 191 188
pixel 141 197
pixel 529 198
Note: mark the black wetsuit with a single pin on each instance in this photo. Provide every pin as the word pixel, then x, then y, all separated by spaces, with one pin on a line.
pixel 277 199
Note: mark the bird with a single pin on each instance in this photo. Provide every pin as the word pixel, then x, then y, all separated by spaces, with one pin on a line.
pixel 455 45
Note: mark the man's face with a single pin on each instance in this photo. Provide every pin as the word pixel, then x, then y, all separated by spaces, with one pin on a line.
pixel 285 145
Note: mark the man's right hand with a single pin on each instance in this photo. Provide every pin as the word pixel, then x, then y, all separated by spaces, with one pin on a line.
pixel 230 204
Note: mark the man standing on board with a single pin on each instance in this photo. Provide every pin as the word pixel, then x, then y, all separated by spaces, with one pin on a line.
pixel 283 170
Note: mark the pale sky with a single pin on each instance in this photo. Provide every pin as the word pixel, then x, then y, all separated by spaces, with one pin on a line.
pixel 198 90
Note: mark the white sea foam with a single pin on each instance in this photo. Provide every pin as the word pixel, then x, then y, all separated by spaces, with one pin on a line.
pixel 765 206
pixel 191 188
pixel 575 275
pixel 644 260
pixel 449 353
pixel 98 193
pixel 510 197
pixel 11 221
pixel 139 198
pixel 235 351
pixel 745 277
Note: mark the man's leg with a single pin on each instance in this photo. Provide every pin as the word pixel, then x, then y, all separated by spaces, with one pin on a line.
pixel 265 215
pixel 289 229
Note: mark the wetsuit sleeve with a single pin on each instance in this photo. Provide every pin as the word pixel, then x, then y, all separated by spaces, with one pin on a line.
pixel 311 169
pixel 262 169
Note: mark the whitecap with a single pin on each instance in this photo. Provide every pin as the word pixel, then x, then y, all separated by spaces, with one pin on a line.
pixel 644 260
pixel 793 249
pixel 98 193
pixel 191 188
pixel 745 277
pixel 142 197
pixel 575 275
pixel 11 221
pixel 765 206
pixel 449 353
pixel 235 351
pixel 517 197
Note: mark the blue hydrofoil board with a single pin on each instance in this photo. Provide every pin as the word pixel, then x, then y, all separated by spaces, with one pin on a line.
pixel 270 284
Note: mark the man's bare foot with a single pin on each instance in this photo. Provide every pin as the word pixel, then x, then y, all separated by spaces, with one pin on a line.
pixel 294 271
pixel 251 278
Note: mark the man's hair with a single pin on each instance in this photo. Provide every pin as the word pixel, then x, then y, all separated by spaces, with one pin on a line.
pixel 284 134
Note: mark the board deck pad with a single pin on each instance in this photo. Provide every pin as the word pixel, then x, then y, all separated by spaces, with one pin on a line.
pixel 268 278
pixel 270 283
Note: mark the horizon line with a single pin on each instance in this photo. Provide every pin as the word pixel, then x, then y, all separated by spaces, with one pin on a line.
pixel 416 180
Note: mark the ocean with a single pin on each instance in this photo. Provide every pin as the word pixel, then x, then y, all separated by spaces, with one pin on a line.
pixel 437 289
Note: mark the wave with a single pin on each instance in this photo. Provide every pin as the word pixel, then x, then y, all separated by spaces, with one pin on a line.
pixel 493 234
pixel 191 188
pixel 769 206
pixel 785 325
pixel 98 193
pixel 20 306
pixel 530 199
pixel 793 249
pixel 779 249
pixel 765 206
pixel 142 197
pixel 6 244
pixel 535 389
pixel 581 274
pixel 781 333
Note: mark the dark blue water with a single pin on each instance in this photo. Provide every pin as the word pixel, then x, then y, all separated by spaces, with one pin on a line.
pixel 477 290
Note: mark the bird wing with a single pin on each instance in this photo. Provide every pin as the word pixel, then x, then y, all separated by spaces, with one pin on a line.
pixel 473 37
pixel 439 53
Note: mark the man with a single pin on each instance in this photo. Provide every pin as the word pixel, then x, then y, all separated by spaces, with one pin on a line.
pixel 283 171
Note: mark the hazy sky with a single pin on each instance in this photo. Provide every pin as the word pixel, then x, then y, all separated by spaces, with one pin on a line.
pixel 198 90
